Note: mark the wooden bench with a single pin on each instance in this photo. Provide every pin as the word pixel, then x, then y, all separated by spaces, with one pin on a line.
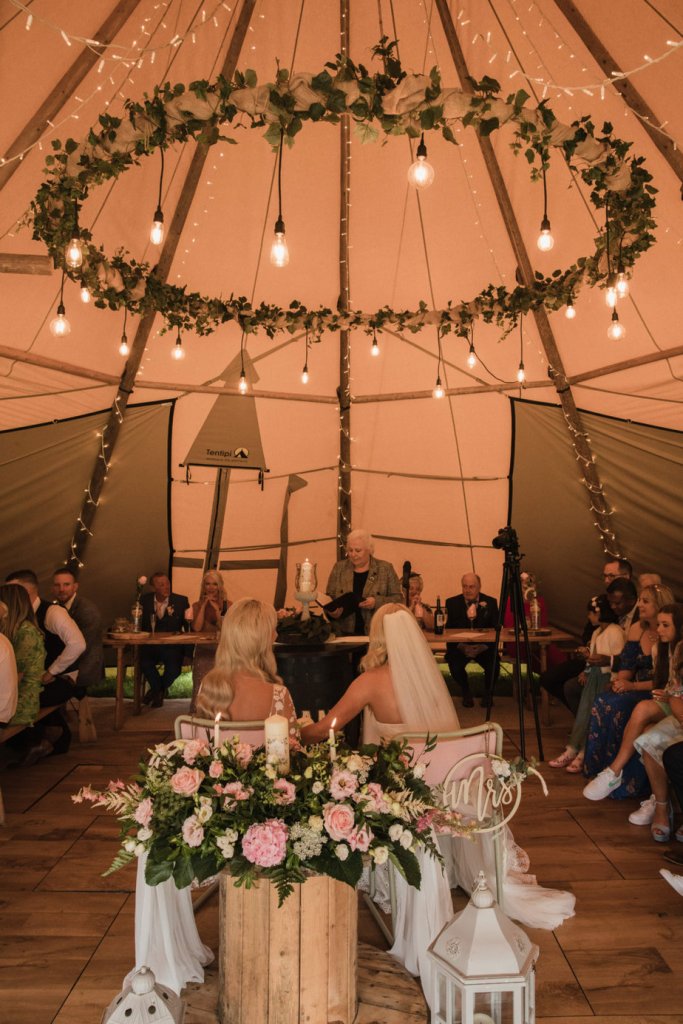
pixel 14 730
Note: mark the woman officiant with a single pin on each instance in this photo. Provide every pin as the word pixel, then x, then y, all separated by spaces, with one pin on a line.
pixel 371 581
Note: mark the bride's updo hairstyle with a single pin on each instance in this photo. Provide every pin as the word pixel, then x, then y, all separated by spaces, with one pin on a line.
pixel 377 647
pixel 245 648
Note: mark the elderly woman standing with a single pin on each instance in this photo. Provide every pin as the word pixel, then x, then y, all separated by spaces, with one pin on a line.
pixel 370 580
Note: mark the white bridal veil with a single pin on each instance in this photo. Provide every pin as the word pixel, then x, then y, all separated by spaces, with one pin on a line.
pixel 421 694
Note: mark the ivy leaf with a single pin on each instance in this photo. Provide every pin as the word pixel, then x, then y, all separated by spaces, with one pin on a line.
pixel 407 864
pixel 365 132
pixel 488 125
pixel 159 872
pixel 250 78
pixel 448 135
pixel 316 111
pixel 321 82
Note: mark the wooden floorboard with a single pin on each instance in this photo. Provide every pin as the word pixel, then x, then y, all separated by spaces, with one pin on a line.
pixel 66 933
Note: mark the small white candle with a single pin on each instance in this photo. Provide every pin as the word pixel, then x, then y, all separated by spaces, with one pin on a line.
pixel 217 731
pixel 276 733
pixel 333 741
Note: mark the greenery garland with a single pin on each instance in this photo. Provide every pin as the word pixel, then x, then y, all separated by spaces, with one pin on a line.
pixel 391 102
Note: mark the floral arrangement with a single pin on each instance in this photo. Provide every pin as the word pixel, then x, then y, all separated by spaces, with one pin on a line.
pixel 294 629
pixel 140 584
pixel 198 808
pixel 390 102
pixel 529 586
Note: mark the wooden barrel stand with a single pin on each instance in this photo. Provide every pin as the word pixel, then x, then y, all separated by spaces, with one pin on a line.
pixel 288 964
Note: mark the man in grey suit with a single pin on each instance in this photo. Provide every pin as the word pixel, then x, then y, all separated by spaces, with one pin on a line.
pixel 87 617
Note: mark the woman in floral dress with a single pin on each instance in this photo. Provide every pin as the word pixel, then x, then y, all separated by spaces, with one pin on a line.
pixel 21 629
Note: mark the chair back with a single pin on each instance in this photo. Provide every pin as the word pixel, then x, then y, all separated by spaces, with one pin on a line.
pixel 452 747
pixel 189 727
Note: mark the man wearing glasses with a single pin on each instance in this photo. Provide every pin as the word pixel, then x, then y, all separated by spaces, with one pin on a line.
pixel 620 568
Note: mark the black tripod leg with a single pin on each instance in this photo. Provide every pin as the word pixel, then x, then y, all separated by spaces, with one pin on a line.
pixel 520 620
pixel 490 676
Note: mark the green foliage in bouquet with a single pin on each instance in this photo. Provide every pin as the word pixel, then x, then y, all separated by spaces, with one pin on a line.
pixel 295 630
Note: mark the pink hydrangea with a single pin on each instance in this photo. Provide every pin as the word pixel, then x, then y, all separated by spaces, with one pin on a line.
pixel 193 749
pixel 286 790
pixel 215 769
pixel 343 784
pixel 143 811
pixel 193 833
pixel 339 820
pixel 377 801
pixel 243 754
pixel 361 838
pixel 265 845
pixel 186 781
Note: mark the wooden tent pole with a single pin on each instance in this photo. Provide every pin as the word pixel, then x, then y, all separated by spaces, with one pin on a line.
pixel 626 89
pixel 112 429
pixel 344 390
pixel 602 513
pixel 64 88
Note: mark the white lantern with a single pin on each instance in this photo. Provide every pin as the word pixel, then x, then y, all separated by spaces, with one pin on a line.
pixel 483 966
pixel 142 1001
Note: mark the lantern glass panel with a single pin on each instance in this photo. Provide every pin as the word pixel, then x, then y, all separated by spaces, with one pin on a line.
pixel 494 1008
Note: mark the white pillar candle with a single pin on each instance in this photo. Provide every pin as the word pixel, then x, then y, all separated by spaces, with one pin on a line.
pixel 276 732
pixel 306 581
pixel 333 741
pixel 217 731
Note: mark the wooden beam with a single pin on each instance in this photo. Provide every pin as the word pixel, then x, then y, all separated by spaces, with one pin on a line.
pixel 627 364
pixel 64 88
pixel 21 263
pixel 602 512
pixel 112 429
pixel 344 511
pixel 626 89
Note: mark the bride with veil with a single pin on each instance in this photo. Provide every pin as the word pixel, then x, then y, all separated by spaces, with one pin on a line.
pixel 401 690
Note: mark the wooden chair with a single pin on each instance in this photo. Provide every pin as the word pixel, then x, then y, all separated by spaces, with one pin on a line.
pixel 189 727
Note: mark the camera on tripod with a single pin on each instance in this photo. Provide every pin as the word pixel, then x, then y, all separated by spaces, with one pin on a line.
pixel 506 540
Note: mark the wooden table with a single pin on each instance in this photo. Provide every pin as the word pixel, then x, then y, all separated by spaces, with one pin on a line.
pixel 541 640
pixel 135 642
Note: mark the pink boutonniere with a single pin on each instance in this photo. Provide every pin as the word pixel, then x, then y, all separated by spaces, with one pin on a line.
pixel 170 609
pixel 482 604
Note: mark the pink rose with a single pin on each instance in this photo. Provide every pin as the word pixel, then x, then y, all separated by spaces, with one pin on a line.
pixel 342 784
pixel 186 781
pixel 243 754
pixel 143 811
pixel 193 748
pixel 287 791
pixel 193 833
pixel 266 844
pixel 215 769
pixel 339 820
pixel 376 801
pixel 235 791
pixel 360 838
pixel 217 788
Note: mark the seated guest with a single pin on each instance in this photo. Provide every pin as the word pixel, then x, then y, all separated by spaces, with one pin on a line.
pixel 666 703
pixel 619 568
pixel 169 611
pixel 87 617
pixel 244 686
pixel 8 674
pixel 611 711
pixel 623 599
pixel 649 579
pixel 371 581
pixel 207 617
pixel 471 610
pixel 606 642
pixel 20 627
pixel 400 689
pixel 423 612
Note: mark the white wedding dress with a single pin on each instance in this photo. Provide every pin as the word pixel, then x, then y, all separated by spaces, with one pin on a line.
pixel 426 706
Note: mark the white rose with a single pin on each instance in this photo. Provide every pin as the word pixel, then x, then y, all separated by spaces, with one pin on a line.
pixel 395 832
pixel 316 823
pixel 205 810
pixel 308 774
pixel 317 787
pixel 129 845
pixel 139 849
pixel 380 855
pixel 142 580
pixel 342 851
pixel 226 847
pixel 144 833
pixel 406 840
pixel 419 770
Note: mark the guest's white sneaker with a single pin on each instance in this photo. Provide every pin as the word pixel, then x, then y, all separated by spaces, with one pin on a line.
pixel 645 813
pixel 602 785
pixel 675 881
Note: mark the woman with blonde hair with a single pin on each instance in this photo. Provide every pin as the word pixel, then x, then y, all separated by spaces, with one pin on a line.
pixel 244 685
pixel 20 627
pixel 400 689
pixel 207 617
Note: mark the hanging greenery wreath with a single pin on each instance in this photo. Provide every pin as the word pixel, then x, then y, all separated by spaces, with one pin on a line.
pixel 390 102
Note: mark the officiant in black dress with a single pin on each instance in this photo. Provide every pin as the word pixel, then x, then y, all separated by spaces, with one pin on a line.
pixel 371 581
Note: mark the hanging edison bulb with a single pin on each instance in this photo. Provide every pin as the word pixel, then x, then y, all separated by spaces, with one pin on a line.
pixel 74 252
pixel 421 173
pixel 279 252
pixel 570 311
pixel 304 374
pixel 375 345
pixel 611 293
pixel 178 352
pixel 85 292
pixel 59 325
pixel 243 387
pixel 545 240
pixel 521 374
pixel 124 348
pixel 616 330
pixel 472 357
pixel 438 391
pixel 156 233
pixel 622 282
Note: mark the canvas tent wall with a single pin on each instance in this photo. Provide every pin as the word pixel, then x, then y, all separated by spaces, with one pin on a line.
pixel 429 478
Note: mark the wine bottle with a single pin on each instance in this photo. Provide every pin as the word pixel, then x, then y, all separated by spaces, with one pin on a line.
pixel 439 618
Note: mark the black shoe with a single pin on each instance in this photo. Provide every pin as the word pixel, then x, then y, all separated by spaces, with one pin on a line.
pixel 80 692
pixel 149 697
pixel 157 700
pixel 61 746
pixel 467 700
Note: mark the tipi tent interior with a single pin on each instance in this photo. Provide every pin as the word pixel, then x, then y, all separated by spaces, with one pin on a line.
pixel 583 457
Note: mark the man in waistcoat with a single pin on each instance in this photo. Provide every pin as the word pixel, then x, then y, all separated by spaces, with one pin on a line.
pixel 169 611
pixel 87 617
